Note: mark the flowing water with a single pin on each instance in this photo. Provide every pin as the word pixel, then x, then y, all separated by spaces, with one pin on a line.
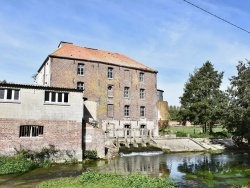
pixel 185 169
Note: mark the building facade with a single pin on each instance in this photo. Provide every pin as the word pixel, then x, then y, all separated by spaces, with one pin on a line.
pixel 122 93
pixel 34 117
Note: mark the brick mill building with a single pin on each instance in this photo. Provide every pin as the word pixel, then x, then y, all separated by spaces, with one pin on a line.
pixel 121 92
pixel 82 99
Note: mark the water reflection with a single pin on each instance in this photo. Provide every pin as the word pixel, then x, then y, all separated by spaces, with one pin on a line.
pixel 187 169
pixel 149 165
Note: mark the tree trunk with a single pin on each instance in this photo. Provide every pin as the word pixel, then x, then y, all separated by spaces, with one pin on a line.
pixel 211 128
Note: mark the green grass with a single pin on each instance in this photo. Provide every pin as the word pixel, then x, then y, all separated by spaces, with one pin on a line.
pixel 195 132
pixel 94 179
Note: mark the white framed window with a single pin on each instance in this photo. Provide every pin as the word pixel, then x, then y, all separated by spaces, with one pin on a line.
pixel 126 92
pixel 80 85
pixel 80 69
pixel 142 111
pixel 31 131
pixel 141 77
pixel 54 97
pixel 110 72
pixel 142 93
pixel 9 94
pixel 126 110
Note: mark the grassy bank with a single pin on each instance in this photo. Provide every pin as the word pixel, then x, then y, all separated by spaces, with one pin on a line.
pixel 94 179
pixel 196 132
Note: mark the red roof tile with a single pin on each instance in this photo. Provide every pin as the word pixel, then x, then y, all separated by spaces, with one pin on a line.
pixel 69 50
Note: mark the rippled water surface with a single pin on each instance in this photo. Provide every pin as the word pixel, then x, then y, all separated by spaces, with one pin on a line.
pixel 185 169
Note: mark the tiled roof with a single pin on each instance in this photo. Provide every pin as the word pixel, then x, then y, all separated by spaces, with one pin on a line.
pixel 69 50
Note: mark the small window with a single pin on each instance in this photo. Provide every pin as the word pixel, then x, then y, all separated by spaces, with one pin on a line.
pixel 142 111
pixel 126 92
pixel 110 72
pixel 9 94
pixel 126 111
pixel 59 97
pixel 80 85
pixel 16 94
pixel 80 69
pixel 143 130
pixel 47 95
pixel 66 97
pixel 110 91
pixel 2 91
pixel 142 93
pixel 141 77
pixel 54 97
pixel 126 75
pixel 110 110
pixel 128 129
pixel 31 131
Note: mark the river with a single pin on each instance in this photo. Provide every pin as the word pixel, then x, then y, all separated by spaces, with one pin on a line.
pixel 185 169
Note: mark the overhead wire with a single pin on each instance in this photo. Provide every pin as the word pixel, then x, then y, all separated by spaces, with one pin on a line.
pixel 216 16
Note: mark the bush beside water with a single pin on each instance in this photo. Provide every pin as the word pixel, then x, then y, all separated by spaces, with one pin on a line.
pixel 26 160
pixel 94 179
pixel 17 164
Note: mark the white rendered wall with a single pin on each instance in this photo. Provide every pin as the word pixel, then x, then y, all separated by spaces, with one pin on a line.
pixel 32 106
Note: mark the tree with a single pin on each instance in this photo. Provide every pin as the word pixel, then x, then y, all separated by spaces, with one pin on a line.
pixel 238 111
pixel 203 102
pixel 3 82
pixel 173 112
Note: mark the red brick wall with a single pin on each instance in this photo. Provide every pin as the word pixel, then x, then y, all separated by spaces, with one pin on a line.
pixel 64 135
pixel 96 140
pixel 64 74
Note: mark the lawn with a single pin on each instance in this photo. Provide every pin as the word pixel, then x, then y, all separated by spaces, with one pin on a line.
pixel 196 132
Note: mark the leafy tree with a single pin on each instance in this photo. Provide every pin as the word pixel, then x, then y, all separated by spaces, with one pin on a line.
pixel 238 112
pixel 203 102
pixel 173 112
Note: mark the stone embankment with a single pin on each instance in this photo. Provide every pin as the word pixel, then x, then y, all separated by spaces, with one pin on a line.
pixel 193 144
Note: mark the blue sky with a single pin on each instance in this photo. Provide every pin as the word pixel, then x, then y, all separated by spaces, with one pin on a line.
pixel 170 36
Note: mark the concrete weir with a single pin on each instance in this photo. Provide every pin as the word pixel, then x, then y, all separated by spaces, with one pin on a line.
pixel 179 144
pixel 193 144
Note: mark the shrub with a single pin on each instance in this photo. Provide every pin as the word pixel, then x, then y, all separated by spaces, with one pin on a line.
pixel 26 160
pixel 90 154
pixel 10 165
pixel 181 134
